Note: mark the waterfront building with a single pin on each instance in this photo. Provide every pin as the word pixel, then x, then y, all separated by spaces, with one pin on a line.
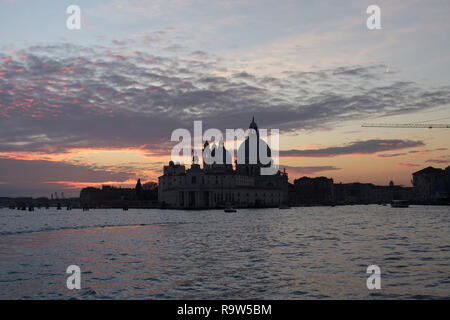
pixel 318 190
pixel 217 185
pixel 431 184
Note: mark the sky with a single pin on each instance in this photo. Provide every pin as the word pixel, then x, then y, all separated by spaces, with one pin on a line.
pixel 98 105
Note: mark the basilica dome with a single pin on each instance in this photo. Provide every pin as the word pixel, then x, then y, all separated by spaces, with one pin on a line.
pixel 246 148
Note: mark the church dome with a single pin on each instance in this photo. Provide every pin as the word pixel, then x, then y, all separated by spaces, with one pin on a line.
pixel 244 148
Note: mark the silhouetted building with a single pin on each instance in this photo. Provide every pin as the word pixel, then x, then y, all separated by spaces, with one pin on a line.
pixel 431 185
pixel 357 193
pixel 322 191
pixel 313 191
pixel 218 184
pixel 138 189
pixel 117 197
pixel 106 196
pixel 150 191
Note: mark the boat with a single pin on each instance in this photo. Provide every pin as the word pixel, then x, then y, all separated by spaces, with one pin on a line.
pixel 229 210
pixel 399 204
pixel 283 207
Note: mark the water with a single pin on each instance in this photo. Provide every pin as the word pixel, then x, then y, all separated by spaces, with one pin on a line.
pixel 300 253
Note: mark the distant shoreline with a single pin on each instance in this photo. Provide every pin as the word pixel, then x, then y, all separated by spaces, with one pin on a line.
pixel 64 208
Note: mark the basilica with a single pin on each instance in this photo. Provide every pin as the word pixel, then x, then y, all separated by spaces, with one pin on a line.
pixel 220 184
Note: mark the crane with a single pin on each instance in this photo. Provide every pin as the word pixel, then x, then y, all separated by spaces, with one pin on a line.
pixel 420 124
pixel 406 125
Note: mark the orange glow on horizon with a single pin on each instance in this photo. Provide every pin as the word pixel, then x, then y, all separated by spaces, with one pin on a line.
pixel 130 183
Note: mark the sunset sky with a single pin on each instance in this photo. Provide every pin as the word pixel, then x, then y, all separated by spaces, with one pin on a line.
pixel 98 105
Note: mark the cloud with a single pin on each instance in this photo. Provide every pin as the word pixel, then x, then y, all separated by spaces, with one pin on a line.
pixel 296 171
pixel 391 155
pixel 39 177
pixel 441 160
pixel 135 10
pixel 425 151
pixel 57 97
pixel 357 147
pixel 408 165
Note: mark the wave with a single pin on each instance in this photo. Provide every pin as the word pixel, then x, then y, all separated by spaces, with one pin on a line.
pixel 49 229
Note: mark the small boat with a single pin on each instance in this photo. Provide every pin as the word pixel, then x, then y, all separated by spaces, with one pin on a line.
pixel 283 207
pixel 399 204
pixel 229 210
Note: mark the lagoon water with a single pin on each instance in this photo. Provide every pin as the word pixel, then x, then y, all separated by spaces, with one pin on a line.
pixel 300 253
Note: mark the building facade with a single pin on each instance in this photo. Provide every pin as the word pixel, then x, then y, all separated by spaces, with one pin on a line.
pixel 318 190
pixel 219 184
pixel 432 185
